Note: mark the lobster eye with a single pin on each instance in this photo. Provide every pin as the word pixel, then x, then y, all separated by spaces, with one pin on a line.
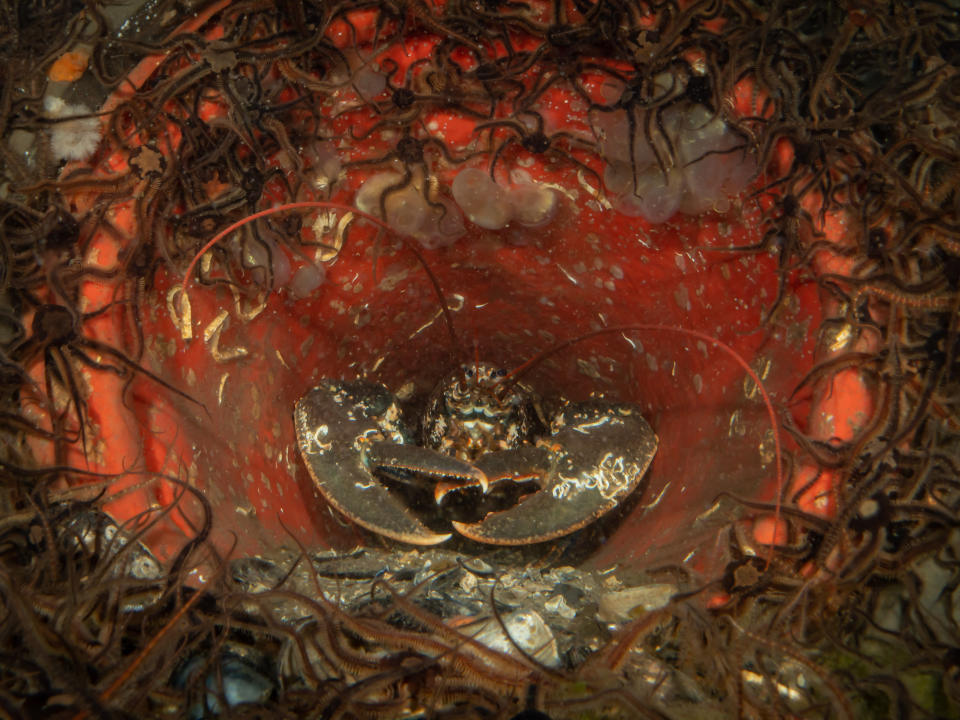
pixel 468 372
pixel 500 373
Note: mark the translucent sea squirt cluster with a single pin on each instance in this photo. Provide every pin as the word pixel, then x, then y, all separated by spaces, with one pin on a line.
pixel 491 206
pixel 689 161
pixel 686 160
pixel 434 221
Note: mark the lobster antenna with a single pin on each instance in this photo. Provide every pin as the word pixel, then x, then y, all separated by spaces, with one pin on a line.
pixel 778 452
pixel 476 360
pixel 408 242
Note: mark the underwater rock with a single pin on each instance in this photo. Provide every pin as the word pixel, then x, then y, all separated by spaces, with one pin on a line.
pixel 623 605
pixel 236 681
pixel 527 631
pixel 556 610
pixel 97 533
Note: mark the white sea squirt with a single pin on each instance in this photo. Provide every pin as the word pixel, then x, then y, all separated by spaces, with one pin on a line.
pixel 439 221
pixel 434 224
pixel 699 169
pixel 481 199
pixel 491 206
pixel 71 139
pixel 532 204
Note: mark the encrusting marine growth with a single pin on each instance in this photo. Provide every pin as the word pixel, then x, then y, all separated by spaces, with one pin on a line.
pixel 733 219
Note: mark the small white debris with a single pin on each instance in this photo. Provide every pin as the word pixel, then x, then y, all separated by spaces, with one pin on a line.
pixel 698 384
pixel 527 631
pixel 622 605
pixel 558 605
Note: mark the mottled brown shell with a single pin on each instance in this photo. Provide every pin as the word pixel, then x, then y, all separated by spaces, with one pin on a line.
pixel 473 412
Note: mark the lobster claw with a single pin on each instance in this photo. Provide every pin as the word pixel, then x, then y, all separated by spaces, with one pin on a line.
pixel 337 423
pixel 351 434
pixel 596 455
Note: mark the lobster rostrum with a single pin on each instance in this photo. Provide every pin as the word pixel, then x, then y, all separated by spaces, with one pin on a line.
pixel 481 430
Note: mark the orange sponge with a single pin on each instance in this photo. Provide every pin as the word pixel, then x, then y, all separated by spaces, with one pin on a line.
pixel 69 66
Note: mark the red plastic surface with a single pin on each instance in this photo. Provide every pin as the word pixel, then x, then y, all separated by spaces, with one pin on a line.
pixel 513 293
